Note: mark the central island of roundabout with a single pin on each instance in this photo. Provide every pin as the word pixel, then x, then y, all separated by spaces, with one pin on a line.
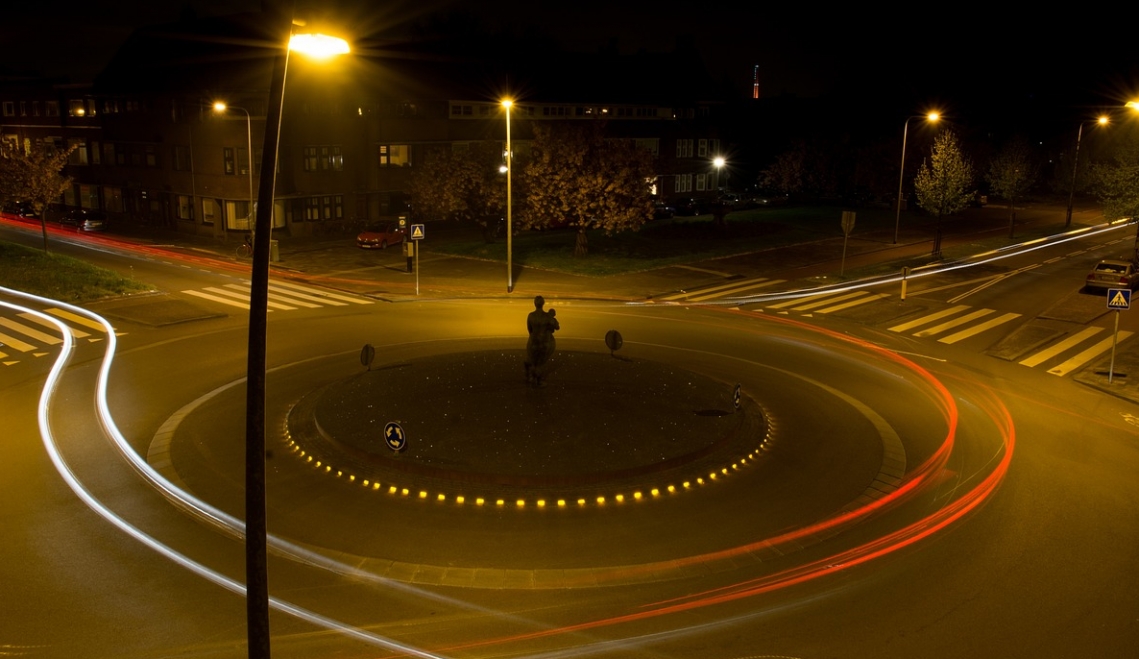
pixel 655 463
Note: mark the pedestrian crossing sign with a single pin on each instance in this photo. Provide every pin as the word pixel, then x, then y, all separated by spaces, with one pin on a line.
pixel 417 232
pixel 1119 298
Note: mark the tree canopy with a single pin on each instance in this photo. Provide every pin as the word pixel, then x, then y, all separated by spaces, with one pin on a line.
pixel 465 186
pixel 33 176
pixel 944 182
pixel 575 177
pixel 1116 180
pixel 1012 173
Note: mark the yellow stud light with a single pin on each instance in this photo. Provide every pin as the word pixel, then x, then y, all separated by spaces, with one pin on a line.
pixel 422 494
pixel 441 497
pixel 656 492
pixel 460 499
pixel 581 502
pixel 392 490
pixel 561 503
pixel 375 486
pixel 637 496
pixel 500 502
pixel 541 503
pixel 601 501
pixel 620 498
pixel 480 501
pixel 404 492
pixel 521 503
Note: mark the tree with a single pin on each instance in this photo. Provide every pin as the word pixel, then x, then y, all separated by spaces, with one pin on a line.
pixel 575 177
pixel 944 182
pixel 34 176
pixel 1012 172
pixel 1116 180
pixel 785 175
pixel 465 186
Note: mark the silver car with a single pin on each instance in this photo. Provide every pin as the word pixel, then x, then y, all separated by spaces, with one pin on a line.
pixel 1112 273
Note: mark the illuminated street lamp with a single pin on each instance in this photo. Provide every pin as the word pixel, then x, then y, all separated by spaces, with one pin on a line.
pixel 507 104
pixel 718 162
pixel 1102 121
pixel 220 108
pixel 931 117
pixel 256 538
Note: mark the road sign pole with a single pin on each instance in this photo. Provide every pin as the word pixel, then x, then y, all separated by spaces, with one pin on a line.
pixel 1118 299
pixel 1114 341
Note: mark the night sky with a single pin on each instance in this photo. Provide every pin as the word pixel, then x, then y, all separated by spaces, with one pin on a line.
pixel 973 62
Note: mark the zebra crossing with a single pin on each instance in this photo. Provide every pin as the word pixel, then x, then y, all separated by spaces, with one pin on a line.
pixel 950 325
pixel 283 296
pixel 25 335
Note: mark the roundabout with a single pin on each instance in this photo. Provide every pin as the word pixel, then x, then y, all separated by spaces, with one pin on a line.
pixel 616 471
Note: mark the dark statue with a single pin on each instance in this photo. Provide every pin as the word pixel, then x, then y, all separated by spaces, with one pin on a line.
pixel 541 325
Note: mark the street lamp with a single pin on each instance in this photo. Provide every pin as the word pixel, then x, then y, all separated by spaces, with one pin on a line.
pixel 256 538
pixel 506 104
pixel 931 117
pixel 718 162
pixel 1102 121
pixel 220 108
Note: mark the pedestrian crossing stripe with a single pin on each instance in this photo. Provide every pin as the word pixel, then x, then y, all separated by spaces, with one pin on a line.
pixel 1072 341
pixel 722 290
pixel 955 322
pixel 30 332
pixel 282 296
pixel 75 333
pixel 1087 355
pixel 978 328
pixel 13 342
pixel 23 337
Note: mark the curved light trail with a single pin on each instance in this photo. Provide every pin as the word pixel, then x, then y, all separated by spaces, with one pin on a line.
pixel 913 532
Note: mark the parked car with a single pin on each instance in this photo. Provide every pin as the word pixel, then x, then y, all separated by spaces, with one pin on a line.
pixel 689 206
pixel 379 236
pixel 1112 273
pixel 84 220
pixel 21 208
pixel 662 211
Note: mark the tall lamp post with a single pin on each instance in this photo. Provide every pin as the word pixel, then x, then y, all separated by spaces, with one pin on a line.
pixel 1102 121
pixel 256 539
pixel 507 104
pixel 220 108
pixel 931 117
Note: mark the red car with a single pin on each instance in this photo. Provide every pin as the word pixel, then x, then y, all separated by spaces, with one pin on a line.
pixel 379 236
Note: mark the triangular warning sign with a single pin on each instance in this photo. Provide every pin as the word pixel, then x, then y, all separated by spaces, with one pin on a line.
pixel 417 231
pixel 1119 301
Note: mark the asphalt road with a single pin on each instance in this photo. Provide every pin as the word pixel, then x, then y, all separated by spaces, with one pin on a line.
pixel 1038 568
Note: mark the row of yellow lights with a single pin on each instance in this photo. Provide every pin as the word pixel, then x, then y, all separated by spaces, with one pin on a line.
pixel 580 502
